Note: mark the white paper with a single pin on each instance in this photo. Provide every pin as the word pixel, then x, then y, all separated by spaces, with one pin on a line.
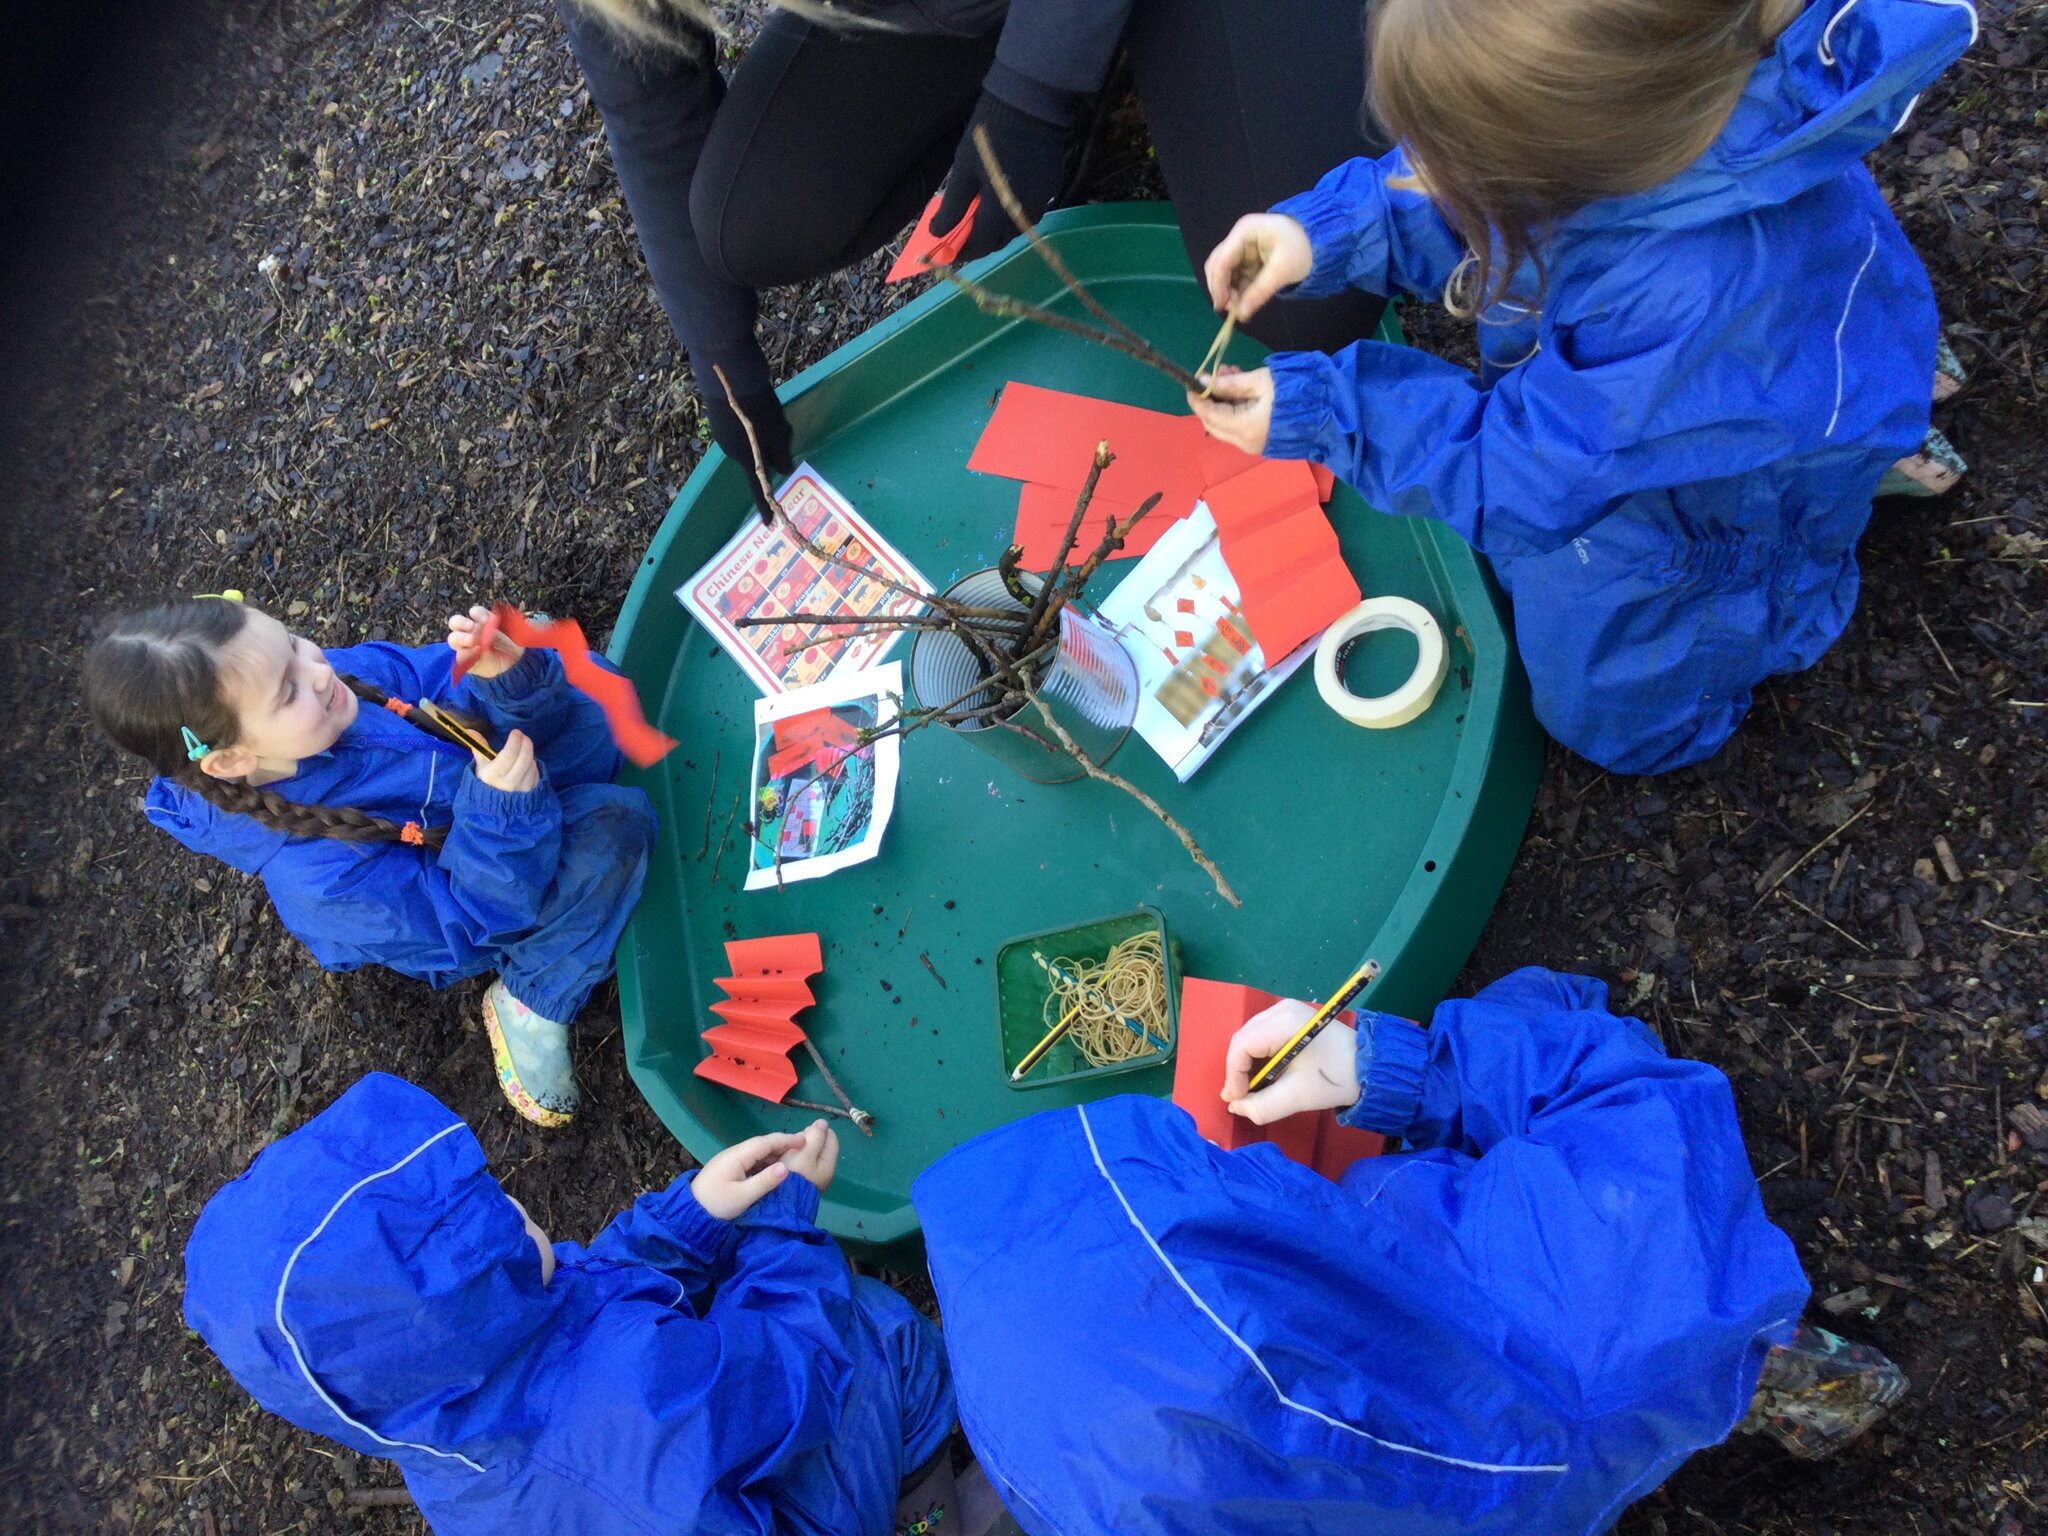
pixel 762 570
pixel 1177 615
pixel 830 810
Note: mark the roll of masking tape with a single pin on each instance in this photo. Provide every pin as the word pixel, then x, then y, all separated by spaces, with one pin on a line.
pixel 1432 663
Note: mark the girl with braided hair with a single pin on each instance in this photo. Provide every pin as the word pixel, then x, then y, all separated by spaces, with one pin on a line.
pixel 381 836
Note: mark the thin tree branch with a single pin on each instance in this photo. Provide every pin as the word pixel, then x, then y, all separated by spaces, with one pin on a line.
pixel 1004 307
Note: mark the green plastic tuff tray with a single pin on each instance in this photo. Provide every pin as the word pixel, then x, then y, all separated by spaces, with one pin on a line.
pixel 1342 842
pixel 1022 988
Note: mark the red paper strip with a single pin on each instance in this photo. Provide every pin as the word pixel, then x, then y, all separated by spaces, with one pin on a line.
pixel 641 742
pixel 782 954
pixel 1048 437
pixel 1270 490
pixel 1326 483
pixel 763 1074
pixel 924 249
pixel 1210 1013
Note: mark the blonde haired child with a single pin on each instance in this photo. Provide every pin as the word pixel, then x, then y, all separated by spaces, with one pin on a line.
pixel 1704 337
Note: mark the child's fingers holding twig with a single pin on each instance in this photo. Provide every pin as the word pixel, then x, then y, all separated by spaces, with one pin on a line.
pixel 1262 254
pixel 1238 408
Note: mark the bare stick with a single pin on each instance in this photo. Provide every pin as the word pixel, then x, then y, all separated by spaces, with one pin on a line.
pixel 1006 569
pixel 1096 771
pixel 1000 185
pixel 1004 307
pixel 859 1117
pixel 782 514
pixel 1074 581
pixel 1102 460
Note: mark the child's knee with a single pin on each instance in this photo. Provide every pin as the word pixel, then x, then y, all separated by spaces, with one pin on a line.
pixel 609 831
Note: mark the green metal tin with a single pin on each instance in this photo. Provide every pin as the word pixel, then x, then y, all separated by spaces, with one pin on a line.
pixel 1342 842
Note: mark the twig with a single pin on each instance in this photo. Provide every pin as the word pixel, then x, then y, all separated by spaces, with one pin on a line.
pixel 1054 578
pixel 1113 537
pixel 725 837
pixel 1006 569
pixel 1004 307
pixel 717 757
pixel 859 1117
pixel 1797 864
pixel 1096 771
pixel 927 959
pixel 377 1498
pixel 1000 185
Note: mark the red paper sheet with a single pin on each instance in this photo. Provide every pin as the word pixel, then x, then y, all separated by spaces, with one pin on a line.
pixel 1210 1013
pixel 1326 482
pixel 923 249
pixel 1267 491
pixel 1043 512
pixel 1285 619
pixel 613 694
pixel 1220 462
pixel 748 1049
pixel 1048 437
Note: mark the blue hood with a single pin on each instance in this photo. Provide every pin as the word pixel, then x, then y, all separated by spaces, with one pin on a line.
pixel 367 1279
pixel 1838 82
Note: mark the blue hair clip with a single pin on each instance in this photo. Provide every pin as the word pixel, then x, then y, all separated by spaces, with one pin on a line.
pixel 195 749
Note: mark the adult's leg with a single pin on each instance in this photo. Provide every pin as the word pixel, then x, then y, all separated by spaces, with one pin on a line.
pixel 1248 104
pixel 830 140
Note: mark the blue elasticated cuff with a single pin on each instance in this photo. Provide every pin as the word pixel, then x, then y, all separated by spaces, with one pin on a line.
pixel 708 1237
pixel 530 674
pixel 1301 406
pixel 792 1206
pixel 473 797
pixel 1391 1056
pixel 1329 222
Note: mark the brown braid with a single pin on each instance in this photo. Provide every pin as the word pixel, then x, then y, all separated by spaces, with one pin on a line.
pixel 297 819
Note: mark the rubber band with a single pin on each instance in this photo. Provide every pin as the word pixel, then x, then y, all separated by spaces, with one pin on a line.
pixel 411 835
pixel 1126 987
pixel 398 707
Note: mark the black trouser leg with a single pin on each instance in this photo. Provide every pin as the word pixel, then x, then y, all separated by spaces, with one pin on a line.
pixel 829 142
pixel 1250 103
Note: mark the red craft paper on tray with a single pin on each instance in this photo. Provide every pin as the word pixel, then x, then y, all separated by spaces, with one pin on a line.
pixel 750 1047
pixel 1043 512
pixel 1264 493
pixel 1210 1013
pixel 924 249
pixel 613 694
pixel 1219 461
pixel 1048 437
pixel 1282 620
pixel 1326 483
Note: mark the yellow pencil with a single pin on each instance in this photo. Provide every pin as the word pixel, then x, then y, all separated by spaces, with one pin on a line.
pixel 1036 1054
pixel 1277 1062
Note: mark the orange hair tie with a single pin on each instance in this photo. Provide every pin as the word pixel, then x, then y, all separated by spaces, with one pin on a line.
pixel 411 833
pixel 398 707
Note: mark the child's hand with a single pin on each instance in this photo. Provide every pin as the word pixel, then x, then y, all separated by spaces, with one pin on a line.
pixel 1324 1076
pixel 1263 253
pixel 1239 410
pixel 463 630
pixel 729 1184
pixel 513 769
pixel 818 1158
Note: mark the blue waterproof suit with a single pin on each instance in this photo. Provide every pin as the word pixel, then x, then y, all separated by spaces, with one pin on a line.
pixel 1528 1319
pixel 536 886
pixel 367 1279
pixel 1670 464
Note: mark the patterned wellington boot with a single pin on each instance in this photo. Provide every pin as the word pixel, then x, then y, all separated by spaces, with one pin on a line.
pixel 532 1057
pixel 1819 1392
pixel 1949 377
pixel 1933 471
